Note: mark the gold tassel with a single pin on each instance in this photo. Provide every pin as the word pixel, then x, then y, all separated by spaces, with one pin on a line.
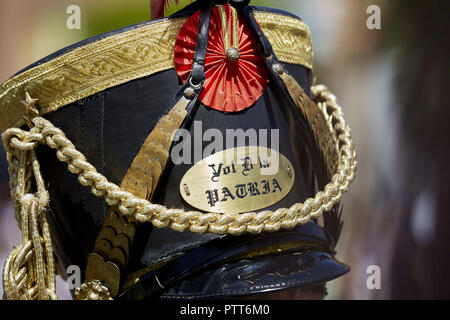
pixel 29 270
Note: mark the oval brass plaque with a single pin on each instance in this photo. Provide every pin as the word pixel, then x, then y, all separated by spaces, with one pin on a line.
pixel 238 180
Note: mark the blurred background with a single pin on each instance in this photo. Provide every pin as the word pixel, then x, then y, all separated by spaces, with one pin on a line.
pixel 393 84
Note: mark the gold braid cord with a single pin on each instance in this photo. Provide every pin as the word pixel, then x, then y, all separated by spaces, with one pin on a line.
pixel 29 270
pixel 26 266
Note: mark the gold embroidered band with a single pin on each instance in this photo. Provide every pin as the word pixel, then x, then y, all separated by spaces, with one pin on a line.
pixel 123 57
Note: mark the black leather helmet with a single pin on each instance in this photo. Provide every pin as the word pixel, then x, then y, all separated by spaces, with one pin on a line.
pixel 105 127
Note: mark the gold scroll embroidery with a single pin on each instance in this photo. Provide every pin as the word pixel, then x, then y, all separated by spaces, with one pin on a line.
pixel 126 56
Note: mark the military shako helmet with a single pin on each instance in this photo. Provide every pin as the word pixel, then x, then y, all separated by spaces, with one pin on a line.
pixel 132 155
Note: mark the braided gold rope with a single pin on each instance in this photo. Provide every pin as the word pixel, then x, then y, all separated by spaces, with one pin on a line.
pixel 29 270
pixel 44 132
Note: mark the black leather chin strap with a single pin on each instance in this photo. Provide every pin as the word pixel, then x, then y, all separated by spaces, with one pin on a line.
pixel 197 76
pixel 193 86
pixel 276 68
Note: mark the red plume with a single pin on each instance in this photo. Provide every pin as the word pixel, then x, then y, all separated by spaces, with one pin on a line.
pixel 157 8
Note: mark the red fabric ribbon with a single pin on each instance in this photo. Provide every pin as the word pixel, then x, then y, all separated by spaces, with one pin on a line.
pixel 229 86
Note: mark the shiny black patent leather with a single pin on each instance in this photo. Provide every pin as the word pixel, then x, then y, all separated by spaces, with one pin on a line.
pixel 109 128
pixel 214 271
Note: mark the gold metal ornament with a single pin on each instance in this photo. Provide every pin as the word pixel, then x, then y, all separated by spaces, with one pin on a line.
pixel 238 180
pixel 143 175
pixel 231 49
pixel 92 290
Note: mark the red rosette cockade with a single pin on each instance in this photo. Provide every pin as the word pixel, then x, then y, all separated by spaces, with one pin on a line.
pixel 231 84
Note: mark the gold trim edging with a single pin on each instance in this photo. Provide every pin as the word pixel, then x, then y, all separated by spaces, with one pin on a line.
pixel 123 57
pixel 290 37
